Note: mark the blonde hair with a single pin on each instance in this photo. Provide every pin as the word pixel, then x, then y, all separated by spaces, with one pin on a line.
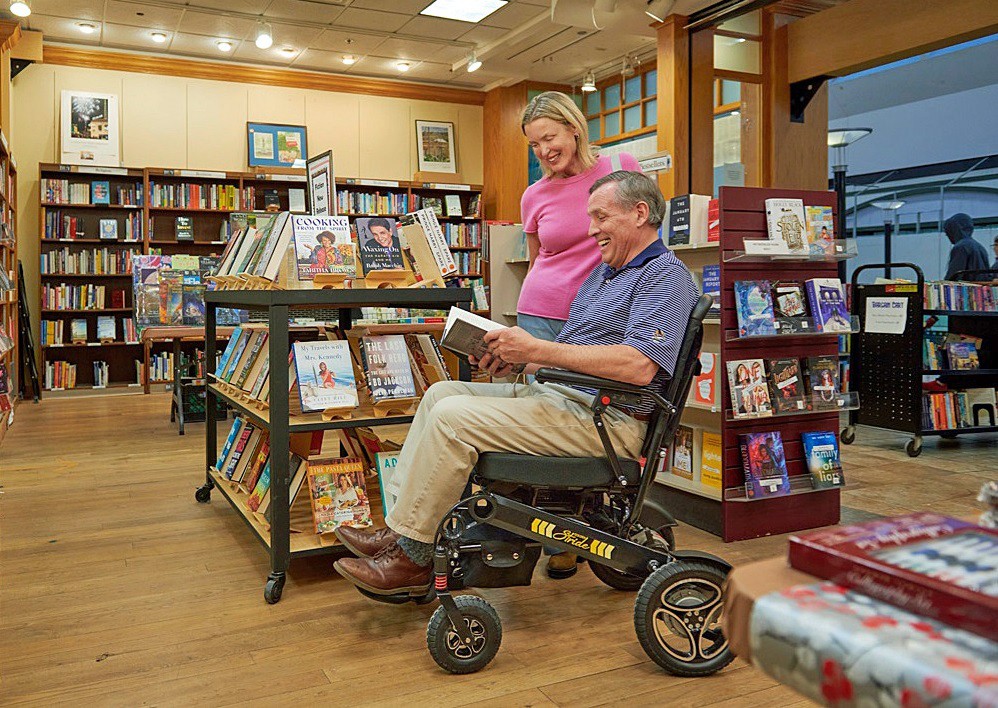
pixel 560 108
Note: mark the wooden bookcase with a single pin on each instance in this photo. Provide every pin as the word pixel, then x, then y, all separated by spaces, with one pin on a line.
pixel 163 195
pixel 8 262
pixel 726 512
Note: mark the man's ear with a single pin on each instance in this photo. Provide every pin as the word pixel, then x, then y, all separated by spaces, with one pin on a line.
pixel 642 213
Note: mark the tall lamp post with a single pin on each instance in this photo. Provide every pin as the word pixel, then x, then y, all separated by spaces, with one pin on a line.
pixel 890 208
pixel 840 139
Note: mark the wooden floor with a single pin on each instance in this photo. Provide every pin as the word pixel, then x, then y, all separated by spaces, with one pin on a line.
pixel 116 588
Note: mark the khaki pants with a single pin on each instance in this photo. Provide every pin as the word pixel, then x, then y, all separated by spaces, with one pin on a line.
pixel 456 421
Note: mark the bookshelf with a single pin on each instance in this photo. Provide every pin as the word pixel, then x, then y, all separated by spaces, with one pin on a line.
pixel 8 262
pixel 507 268
pixel 280 543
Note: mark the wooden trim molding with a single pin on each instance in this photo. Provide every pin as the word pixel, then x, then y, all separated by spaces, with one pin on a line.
pixel 10 33
pixel 238 73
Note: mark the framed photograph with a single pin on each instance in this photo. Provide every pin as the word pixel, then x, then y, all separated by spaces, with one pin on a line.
pixel 276 145
pixel 90 129
pixel 321 184
pixel 435 146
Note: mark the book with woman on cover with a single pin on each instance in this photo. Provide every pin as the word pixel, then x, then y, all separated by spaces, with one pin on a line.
pixel 325 375
pixel 765 465
pixel 747 385
pixel 338 494
pixel 322 245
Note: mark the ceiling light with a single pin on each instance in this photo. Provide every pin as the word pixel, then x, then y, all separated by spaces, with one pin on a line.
pixel 659 9
pixel 841 137
pixel 463 10
pixel 264 36
pixel 224 45
pixel 158 37
pixel 589 83
pixel 474 63
pixel 402 66
pixel 289 51
pixel 21 8
pixel 349 59
pixel 86 27
pixel 739 40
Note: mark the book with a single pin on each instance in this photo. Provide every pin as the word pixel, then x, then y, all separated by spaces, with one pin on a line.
pixel 244 336
pixel 260 490
pixel 322 245
pixel 710 460
pixel 428 358
pixel 4 380
pixel 106 328
pixel 820 230
pixel 171 296
pixel 929 564
pixel 338 494
pixel 386 464
pixel 324 375
pixel 434 204
pixel 714 221
pixel 109 229
pixel 230 347
pixel 821 453
pixel 748 388
pixel 963 356
pixel 378 243
pixel 78 331
pixel 679 221
pixel 464 332
pixel 754 308
pixel 184 228
pixel 234 431
pixel 100 192
pixel 785 223
pixel 257 461
pixel 296 200
pixel 823 382
pixel 682 453
pixel 789 308
pixel 386 366
pixel 785 385
pixel 257 351
pixel 827 300
pixel 424 246
pixel 271 200
pixel 245 435
pixel 764 464
pixel 453 202
pixel 711 285
pixel 704 388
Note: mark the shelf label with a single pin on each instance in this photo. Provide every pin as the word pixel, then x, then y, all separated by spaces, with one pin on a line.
pixel 105 170
pixel 374 183
pixel 765 247
pixel 660 163
pixel 886 315
pixel 444 185
pixel 202 173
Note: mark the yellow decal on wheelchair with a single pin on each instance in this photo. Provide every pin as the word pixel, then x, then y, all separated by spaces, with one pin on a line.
pixel 594 546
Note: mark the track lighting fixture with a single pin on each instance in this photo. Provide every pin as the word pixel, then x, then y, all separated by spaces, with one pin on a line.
pixel 589 83
pixel 474 64
pixel 264 36
pixel 20 8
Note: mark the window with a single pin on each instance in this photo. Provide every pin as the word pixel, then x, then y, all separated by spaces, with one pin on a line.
pixel 623 107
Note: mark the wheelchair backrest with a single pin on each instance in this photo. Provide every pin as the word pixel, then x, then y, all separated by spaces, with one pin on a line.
pixel 662 427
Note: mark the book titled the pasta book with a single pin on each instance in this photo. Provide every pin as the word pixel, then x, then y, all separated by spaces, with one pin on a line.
pixel 325 375
pixel 338 494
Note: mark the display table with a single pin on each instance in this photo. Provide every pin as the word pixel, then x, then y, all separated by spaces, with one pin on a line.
pixel 839 647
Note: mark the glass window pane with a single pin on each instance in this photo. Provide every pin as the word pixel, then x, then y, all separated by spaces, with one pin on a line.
pixel 731 91
pixel 612 124
pixel 632 118
pixel 651 83
pixel 594 128
pixel 749 23
pixel 651 112
pixel 737 55
pixel 612 97
pixel 592 103
pixel 632 89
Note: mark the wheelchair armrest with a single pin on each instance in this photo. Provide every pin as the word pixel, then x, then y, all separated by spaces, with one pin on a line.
pixel 574 378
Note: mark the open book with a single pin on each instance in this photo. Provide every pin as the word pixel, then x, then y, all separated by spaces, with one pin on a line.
pixel 464 332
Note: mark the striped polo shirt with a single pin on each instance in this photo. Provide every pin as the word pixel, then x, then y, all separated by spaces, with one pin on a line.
pixel 646 304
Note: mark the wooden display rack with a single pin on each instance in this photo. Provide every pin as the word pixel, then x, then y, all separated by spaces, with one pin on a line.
pixel 398 406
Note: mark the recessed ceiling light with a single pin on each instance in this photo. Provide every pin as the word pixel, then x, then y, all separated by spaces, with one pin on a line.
pixel 86 27
pixel 224 45
pixel 403 66
pixel 158 37
pixel 463 10
pixel 289 51
pixel 349 59
pixel 264 36
pixel 21 8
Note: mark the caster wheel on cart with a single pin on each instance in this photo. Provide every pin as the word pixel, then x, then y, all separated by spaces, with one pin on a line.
pixel 446 647
pixel 273 589
pixel 914 447
pixel 677 617
pixel 626 581
pixel 203 494
pixel 848 435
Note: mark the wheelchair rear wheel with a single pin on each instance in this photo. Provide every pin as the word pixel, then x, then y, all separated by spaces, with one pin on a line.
pixel 626 581
pixel 677 617
pixel 445 645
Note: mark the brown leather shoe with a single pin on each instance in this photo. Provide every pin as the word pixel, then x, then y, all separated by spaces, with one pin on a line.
pixel 388 573
pixel 562 565
pixel 363 543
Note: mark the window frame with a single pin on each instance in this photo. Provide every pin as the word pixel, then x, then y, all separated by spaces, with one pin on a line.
pixel 620 80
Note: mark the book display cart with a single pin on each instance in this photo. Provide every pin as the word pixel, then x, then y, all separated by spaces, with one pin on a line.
pixel 278 306
pixel 729 511
pixel 8 262
pixel 173 211
pixel 887 369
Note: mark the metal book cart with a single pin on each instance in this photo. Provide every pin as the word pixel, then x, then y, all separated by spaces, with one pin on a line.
pixel 276 535
pixel 887 369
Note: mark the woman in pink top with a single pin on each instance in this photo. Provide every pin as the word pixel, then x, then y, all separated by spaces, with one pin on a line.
pixel 553 210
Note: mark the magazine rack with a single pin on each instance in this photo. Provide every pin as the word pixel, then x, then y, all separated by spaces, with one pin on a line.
pixel 276 536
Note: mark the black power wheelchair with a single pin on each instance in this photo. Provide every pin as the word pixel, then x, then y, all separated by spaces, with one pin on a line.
pixel 587 506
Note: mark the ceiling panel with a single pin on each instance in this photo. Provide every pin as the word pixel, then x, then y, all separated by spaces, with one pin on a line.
pixel 297 36
pixel 435 27
pixel 216 25
pixel 76 9
pixel 371 19
pixel 513 15
pixel 481 35
pixel 128 37
pixel 409 7
pixel 304 10
pixel 151 16
pixel 252 7
pixel 426 51
pixel 248 52
pixel 62 28
pixel 337 41
pixel 321 60
pixel 200 45
pixel 431 71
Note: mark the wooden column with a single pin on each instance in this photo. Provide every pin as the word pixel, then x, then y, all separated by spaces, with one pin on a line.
pixel 505 151
pixel 673 104
pixel 10 33
pixel 702 112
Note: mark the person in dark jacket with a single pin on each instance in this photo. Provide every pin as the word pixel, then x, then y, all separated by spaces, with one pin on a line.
pixel 966 253
pixel 994 266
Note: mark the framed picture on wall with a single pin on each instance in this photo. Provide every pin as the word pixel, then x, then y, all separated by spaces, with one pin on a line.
pixel 90 129
pixel 435 146
pixel 270 145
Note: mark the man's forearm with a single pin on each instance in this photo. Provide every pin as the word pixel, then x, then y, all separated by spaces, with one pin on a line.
pixel 615 361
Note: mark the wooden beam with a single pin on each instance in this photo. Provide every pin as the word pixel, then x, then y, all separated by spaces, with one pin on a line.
pixel 29 47
pixel 218 71
pixel 701 135
pixel 505 151
pixel 10 34
pixel 674 103
pixel 861 34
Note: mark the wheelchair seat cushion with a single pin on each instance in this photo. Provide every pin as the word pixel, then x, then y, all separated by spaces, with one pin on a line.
pixel 554 471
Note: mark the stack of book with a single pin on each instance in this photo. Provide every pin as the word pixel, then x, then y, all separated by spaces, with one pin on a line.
pixel 970 297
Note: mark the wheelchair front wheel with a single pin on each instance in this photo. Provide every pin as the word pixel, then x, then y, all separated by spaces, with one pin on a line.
pixel 445 645
pixel 626 581
pixel 677 617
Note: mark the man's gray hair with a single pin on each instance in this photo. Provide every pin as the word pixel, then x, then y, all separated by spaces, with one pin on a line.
pixel 634 187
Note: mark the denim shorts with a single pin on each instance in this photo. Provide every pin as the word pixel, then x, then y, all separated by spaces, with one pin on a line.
pixel 546 328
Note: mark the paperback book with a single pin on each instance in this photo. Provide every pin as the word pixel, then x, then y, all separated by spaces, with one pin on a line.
pixel 748 387
pixel 184 228
pixel 785 223
pixel 823 378
pixel 786 386
pixel 109 229
pixel 388 478
pixel 754 308
pixel 78 331
pixel 386 366
pixel 765 465
pixel 789 307
pixel 322 245
pixel 379 244
pixel 820 230
pixel 821 453
pixel 464 332
pixel 704 389
pixel 325 375
pixel 338 494
pixel 682 453
pixel 100 192
pixel 260 490
pixel 710 460
pixel 712 286
pixel 106 330
pixel 827 299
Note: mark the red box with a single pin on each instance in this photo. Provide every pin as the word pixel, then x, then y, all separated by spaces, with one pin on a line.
pixel 932 565
pixel 713 221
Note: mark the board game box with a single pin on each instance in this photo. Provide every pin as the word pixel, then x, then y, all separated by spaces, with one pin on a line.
pixel 932 565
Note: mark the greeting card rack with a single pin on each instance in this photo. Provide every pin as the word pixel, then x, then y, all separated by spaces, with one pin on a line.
pixel 727 512
pixel 279 305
